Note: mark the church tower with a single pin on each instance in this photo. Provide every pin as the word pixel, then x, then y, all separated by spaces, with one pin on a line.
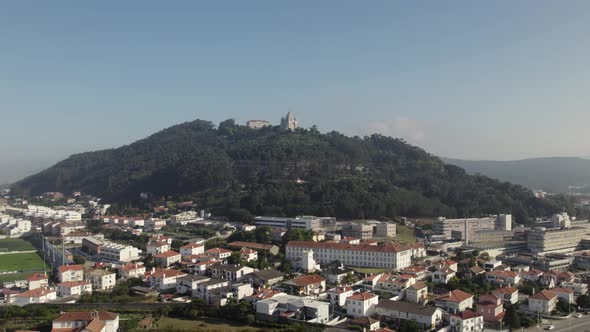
pixel 289 122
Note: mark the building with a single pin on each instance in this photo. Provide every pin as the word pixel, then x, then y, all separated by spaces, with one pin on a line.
pixel 394 311
pixel 417 293
pixel 308 263
pixel 156 248
pixel 294 307
pixel 507 294
pixel 261 278
pixel 491 308
pixel 443 275
pixel 300 222
pixel 118 253
pixel 361 304
pixel 386 229
pixel 467 321
pixel 219 254
pixel 543 302
pixel 70 273
pixel 206 290
pixel 167 258
pixel 248 255
pixel 39 295
pixel 543 241
pixel 390 255
pixel 37 280
pixel 189 284
pixel 561 220
pixel 81 320
pixel 306 285
pixel 337 296
pixel 257 124
pixel 233 273
pixel 131 270
pixel 394 283
pixel 270 248
pixel 102 280
pixel 164 279
pixel 192 249
pixel 463 229
pixel 74 288
pixel 289 122
pixel 564 294
pixel 455 301
pixel 504 278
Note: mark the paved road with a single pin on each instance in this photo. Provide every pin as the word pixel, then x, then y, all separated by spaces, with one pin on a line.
pixel 567 325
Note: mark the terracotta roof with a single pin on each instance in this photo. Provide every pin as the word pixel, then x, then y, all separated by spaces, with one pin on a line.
pixel 159 273
pixel 65 268
pixel 419 285
pixel 340 290
pixel 561 290
pixel 467 314
pixel 476 269
pixel 192 246
pixel 361 296
pixel 506 290
pixel 388 247
pixel 488 299
pixel 77 316
pixel 36 277
pixel 96 325
pixel 502 274
pixel 413 269
pixel 544 295
pixel 264 294
pixel 218 251
pixel 455 296
pixel 70 284
pixel 308 280
pixel 131 266
pixel 36 292
pixel 167 254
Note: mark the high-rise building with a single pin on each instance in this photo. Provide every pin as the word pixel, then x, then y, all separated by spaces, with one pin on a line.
pixel 289 122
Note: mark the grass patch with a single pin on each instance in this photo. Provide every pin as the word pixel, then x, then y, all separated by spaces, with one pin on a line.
pixel 405 234
pixel 21 262
pixel 196 325
pixel 367 270
pixel 15 245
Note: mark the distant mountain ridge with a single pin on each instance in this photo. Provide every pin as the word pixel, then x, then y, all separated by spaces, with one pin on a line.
pixel 551 174
pixel 237 171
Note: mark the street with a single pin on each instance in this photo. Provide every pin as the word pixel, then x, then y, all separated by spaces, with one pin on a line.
pixel 572 324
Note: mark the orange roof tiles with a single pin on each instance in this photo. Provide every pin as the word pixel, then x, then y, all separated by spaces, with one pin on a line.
pixel 544 295
pixel 361 296
pixel 455 296
pixel 167 254
pixel 65 268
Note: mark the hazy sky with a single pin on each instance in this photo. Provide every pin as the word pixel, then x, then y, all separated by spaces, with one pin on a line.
pixel 467 79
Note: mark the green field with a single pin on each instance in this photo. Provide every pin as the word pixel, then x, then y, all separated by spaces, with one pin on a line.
pixel 21 262
pixel 405 234
pixel 195 325
pixel 15 245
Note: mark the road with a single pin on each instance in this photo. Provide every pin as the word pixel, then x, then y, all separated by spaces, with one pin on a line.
pixel 572 324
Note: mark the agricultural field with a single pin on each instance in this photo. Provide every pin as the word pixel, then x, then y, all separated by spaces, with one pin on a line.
pixel 8 245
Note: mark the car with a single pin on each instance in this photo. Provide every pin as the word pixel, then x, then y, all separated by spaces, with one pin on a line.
pixel 550 327
pixel 578 315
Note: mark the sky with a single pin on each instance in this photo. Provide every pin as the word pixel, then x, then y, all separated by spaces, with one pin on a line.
pixel 463 79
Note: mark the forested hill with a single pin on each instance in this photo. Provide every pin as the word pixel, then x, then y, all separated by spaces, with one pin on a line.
pixel 232 169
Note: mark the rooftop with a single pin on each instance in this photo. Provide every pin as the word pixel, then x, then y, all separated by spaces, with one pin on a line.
pixel 455 296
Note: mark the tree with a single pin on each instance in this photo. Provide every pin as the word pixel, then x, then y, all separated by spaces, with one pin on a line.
pixel 512 317
pixel 234 258
pixel 79 259
pixel 583 301
pixel 563 306
pixel 409 326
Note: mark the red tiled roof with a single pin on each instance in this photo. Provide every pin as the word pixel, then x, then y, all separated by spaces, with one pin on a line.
pixel 502 274
pixel 308 280
pixel 251 245
pixel 544 295
pixel 191 246
pixel 70 284
pixel 218 251
pixel 506 290
pixel 467 314
pixel 455 296
pixel 361 296
pixel 131 267
pixel 65 268
pixel 36 277
pixel 419 285
pixel 340 290
pixel 159 273
pixel 561 290
pixel 96 325
pixel 488 299
pixel 167 254
pixel 77 316
pixel 36 292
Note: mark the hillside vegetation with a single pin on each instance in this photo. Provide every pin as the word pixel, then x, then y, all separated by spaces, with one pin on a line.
pixel 238 171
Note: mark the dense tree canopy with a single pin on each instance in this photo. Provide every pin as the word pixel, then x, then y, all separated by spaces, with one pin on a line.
pixel 239 172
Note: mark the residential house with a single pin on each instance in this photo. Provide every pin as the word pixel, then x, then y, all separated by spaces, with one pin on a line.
pixel 361 304
pixel 312 284
pixel 233 273
pixel 395 311
pixel 261 278
pixel 503 278
pixel 418 272
pixel 167 259
pixel 189 284
pixel 336 274
pixel 219 254
pixel 578 287
pixel 474 271
pixel 222 296
pixel 467 321
pixel 371 281
pixel 156 248
pixel 37 280
pixel 204 289
pixel 507 294
pixel 102 280
pixel 131 270
pixel 192 249
pixel 70 273
pixel 394 283
pixel 74 288
pixel 81 320
pixel 39 295
pixel 543 302
pixel 338 295
pixel 417 293
pixel 491 308
pixel 248 255
pixel 263 294
pixel 564 294
pixel 443 275
pixel 455 301
pixel 365 324
pixel 531 275
pixel 164 279
pixel 491 265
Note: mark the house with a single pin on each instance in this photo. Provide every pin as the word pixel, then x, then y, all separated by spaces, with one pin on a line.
pixel 336 274
pixel 532 275
pixel 295 308
pixel 371 281
pixel 261 278
pixel 365 323
pixel 102 280
pixel 82 320
pixel 70 273
pixel 578 287
pixel 491 265
pixel 361 304
pixel 164 279
pixel 219 254
pixel 504 278
pixel 248 255
pixel 37 280
pixel 474 271
pixel 201 267
pixel 168 258
pixel 466 321
pixel 39 295
pixel 233 273
pixel 443 275
pixel 394 283
pixel 543 302
pixel 205 289
pixel 222 296
pixel 270 248
pixel 156 248
pixel 131 270
pixel 338 295
pixel 74 288
pixel 394 311
pixel 417 293
pixel 564 294
pixel 189 284
pixel 455 301
pixel 263 294
pixel 192 249
pixel 451 264
pixel 491 308
pixel 312 284
pixel 418 272
pixel 507 294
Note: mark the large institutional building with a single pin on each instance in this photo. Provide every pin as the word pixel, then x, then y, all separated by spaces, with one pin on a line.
pixel 567 240
pixel 302 222
pixel 464 229
pixel 390 256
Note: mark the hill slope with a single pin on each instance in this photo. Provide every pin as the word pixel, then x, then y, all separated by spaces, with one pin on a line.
pixel 233 169
pixel 554 174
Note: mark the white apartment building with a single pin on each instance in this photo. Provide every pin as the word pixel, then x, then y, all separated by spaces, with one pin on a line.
pixel 391 255
pixel 543 241
pixel 131 270
pixel 74 288
pixel 165 279
pixel 156 248
pixel 189 284
pixel 426 317
pixel 167 258
pixel 192 249
pixel 39 295
pixel 467 321
pixel 466 227
pixel 118 253
pixel 102 280
pixel 301 222
pixel 14 226
pixel 338 295
pixel 70 273
pixel 361 304
pixel 543 302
